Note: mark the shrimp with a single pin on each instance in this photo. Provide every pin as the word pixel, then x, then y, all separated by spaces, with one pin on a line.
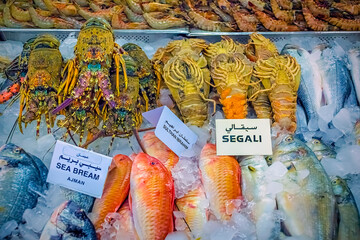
pixel 48 22
pixel 117 22
pixel 285 15
pixel 275 25
pixel 314 23
pixel 134 6
pixel 19 14
pixel 159 20
pixel 155 7
pixel 66 9
pixel 41 4
pixel 105 13
pixel 354 9
pixel 133 17
pixel 9 21
pixel 316 10
pixel 346 24
pixel 225 17
pixel 209 25
pixel 245 21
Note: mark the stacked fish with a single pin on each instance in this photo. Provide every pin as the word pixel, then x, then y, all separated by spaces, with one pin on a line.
pixel 210 15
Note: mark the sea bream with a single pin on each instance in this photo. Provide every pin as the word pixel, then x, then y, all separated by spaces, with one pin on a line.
pixel 310 89
pixel 354 59
pixel 69 221
pixel 21 176
pixel 307 199
pixel 349 221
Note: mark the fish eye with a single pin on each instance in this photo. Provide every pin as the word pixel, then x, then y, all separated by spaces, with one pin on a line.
pixel 16 150
pixel 316 141
pixel 289 139
pixel 152 163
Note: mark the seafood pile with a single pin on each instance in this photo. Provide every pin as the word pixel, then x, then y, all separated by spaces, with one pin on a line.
pixel 310 96
pixel 210 15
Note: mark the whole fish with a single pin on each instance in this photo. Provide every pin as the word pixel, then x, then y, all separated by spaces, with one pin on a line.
pixel 151 198
pixel 21 175
pixel 320 149
pixel 157 149
pixel 354 59
pixel 349 224
pixel 254 189
pixel 310 89
pixel 307 199
pixel 194 208
pixel 116 190
pixel 221 179
pixel 336 77
pixel 69 221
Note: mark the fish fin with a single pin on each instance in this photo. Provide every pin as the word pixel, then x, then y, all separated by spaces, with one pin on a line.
pixel 130 202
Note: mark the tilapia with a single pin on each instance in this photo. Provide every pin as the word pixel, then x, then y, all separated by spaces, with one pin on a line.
pixel 193 205
pixel 69 221
pixel 354 59
pixel 349 221
pixel 151 198
pixel 336 77
pixel 116 190
pixel 254 189
pixel 307 199
pixel 21 176
pixel 157 149
pixel 310 89
pixel 320 149
pixel 221 179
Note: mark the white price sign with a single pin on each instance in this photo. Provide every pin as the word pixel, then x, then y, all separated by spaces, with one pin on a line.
pixel 171 130
pixel 243 137
pixel 78 169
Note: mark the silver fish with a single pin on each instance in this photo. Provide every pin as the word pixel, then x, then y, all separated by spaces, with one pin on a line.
pixel 254 188
pixel 320 149
pixel 310 89
pixel 301 122
pixel 307 199
pixel 349 224
pixel 69 221
pixel 354 59
pixel 336 78
pixel 21 176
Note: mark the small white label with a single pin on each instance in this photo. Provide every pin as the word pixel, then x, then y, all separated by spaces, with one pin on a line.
pixel 171 130
pixel 243 137
pixel 78 169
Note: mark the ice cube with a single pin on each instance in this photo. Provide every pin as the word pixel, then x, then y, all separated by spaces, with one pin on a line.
pixel 327 112
pixel 215 230
pixel 178 235
pixel 342 121
pixel 313 124
pixel 165 98
pixel 276 171
pixel 333 167
pixel 349 158
pixel 268 226
pixel 7 228
pixel 332 135
pixel 273 188
pixel 67 46
pixel 27 233
pixel 352 181
pixel 323 125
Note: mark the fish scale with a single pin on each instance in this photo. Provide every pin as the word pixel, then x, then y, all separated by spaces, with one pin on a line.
pixel 221 180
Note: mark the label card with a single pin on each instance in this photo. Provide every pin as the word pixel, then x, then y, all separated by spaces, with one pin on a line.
pixel 171 130
pixel 78 169
pixel 243 137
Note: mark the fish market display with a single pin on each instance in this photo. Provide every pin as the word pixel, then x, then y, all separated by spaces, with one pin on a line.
pixel 223 16
pixel 68 221
pixel 40 65
pixel 307 192
pixel 151 198
pixel 221 178
pixel 21 175
pixel 116 189
pixel 349 225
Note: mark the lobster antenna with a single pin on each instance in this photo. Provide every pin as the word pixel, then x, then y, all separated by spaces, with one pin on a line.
pixel 136 134
pixel 11 134
pixel 71 137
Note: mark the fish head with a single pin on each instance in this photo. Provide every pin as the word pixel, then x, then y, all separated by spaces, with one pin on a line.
pixel 145 166
pixel 290 148
pixel 13 155
pixel 70 218
pixel 254 163
pixel 316 144
pixel 339 187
